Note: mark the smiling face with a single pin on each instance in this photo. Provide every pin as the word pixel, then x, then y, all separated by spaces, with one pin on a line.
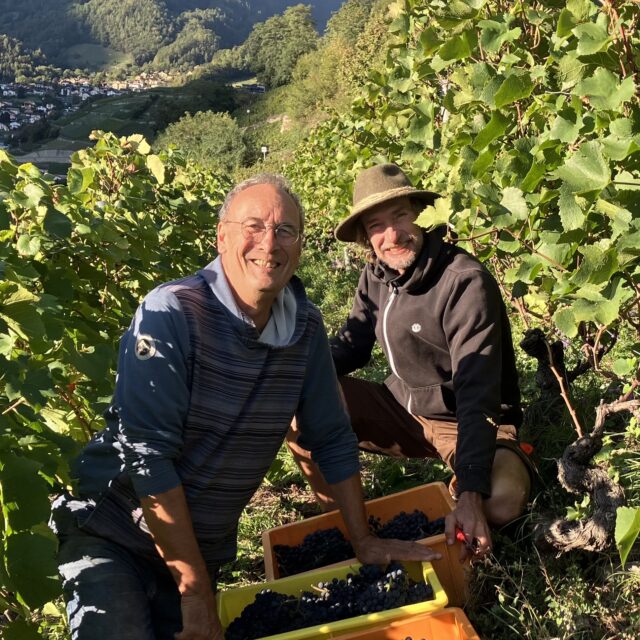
pixel 258 271
pixel 393 234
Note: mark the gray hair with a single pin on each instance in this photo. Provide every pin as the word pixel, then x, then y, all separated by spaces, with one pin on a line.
pixel 278 181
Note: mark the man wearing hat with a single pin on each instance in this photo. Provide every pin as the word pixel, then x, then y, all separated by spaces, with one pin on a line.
pixel 453 390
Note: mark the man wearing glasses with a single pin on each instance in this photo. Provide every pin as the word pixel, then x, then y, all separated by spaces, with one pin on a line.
pixel 211 372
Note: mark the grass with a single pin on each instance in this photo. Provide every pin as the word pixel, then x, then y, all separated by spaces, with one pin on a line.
pixel 95 57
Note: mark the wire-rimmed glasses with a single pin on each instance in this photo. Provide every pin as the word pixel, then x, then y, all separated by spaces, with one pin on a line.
pixel 254 229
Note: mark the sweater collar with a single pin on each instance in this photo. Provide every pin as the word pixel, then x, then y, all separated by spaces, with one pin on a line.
pixel 288 312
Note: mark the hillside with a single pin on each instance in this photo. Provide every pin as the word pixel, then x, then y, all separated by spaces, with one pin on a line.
pixel 164 33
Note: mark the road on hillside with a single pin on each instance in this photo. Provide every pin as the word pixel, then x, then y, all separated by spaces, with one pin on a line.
pixel 61 156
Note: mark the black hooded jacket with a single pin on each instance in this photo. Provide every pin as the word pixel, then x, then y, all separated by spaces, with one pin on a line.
pixel 444 330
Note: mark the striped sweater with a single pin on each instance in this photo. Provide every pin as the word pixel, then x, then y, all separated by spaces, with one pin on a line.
pixel 201 402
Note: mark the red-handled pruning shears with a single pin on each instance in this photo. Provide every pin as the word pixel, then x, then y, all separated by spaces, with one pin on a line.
pixel 471 546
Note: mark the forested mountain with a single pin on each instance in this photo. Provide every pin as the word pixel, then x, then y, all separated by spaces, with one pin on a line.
pixel 15 60
pixel 165 33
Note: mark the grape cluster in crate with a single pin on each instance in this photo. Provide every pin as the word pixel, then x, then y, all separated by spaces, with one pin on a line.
pixel 370 590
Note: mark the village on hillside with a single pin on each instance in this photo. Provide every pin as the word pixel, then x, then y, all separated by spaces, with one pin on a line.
pixel 24 104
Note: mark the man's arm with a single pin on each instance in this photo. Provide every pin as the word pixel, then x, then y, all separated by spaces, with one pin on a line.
pixel 351 347
pixel 167 516
pixel 152 399
pixel 369 548
pixel 472 324
pixel 325 431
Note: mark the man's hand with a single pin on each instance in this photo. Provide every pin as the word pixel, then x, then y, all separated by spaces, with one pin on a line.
pixel 373 550
pixel 199 618
pixel 468 517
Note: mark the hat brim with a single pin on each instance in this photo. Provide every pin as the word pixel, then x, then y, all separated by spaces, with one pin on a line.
pixel 347 229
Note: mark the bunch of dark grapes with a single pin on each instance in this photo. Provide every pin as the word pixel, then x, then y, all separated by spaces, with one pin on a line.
pixel 371 589
pixel 318 549
pixel 407 526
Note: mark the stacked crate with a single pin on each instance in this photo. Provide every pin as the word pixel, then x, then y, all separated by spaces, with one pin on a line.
pixel 428 620
pixel 433 499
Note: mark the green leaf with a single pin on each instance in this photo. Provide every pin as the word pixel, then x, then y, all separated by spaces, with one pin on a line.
pixel 604 312
pixel 620 217
pixel 482 163
pixel 596 267
pixel 624 366
pixel 516 87
pixel 156 166
pixel 28 245
pixel 627 530
pixel 496 126
pixel 95 364
pixel 603 90
pixel 570 70
pixel 592 38
pixel 429 41
pixel 566 126
pixel 566 322
pixel 20 630
pixel 458 47
pixel 25 494
pixel 79 179
pixel 32 568
pixel 566 22
pixel 57 224
pixel 571 214
pixel 23 318
pixel 34 193
pixel 514 202
pixel 586 170
pixel 435 215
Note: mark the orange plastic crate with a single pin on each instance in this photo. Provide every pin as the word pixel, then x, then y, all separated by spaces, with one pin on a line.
pixel 433 499
pixel 448 624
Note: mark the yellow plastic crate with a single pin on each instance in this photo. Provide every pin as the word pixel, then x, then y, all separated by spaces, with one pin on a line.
pixel 433 499
pixel 448 624
pixel 231 603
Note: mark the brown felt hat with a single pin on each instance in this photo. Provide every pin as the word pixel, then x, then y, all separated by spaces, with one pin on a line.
pixel 374 186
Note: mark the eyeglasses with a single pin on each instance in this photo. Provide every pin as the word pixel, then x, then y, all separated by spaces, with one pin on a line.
pixel 255 230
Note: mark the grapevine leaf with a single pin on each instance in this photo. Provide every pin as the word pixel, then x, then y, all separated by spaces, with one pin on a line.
pixel 596 267
pixel 566 22
pixel 23 318
pixel 586 170
pixel 496 126
pixel 57 224
pixel 25 494
pixel 156 166
pixel 565 320
pixel 514 202
pixel 603 90
pixel 429 41
pixel 34 193
pixel 20 630
pixel 32 568
pixel 592 37
pixel 627 530
pixel 571 213
pixel 435 215
pixel 28 245
pixel 566 126
pixel 604 312
pixel 458 47
pixel 79 179
pixel 516 87
pixel 623 366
